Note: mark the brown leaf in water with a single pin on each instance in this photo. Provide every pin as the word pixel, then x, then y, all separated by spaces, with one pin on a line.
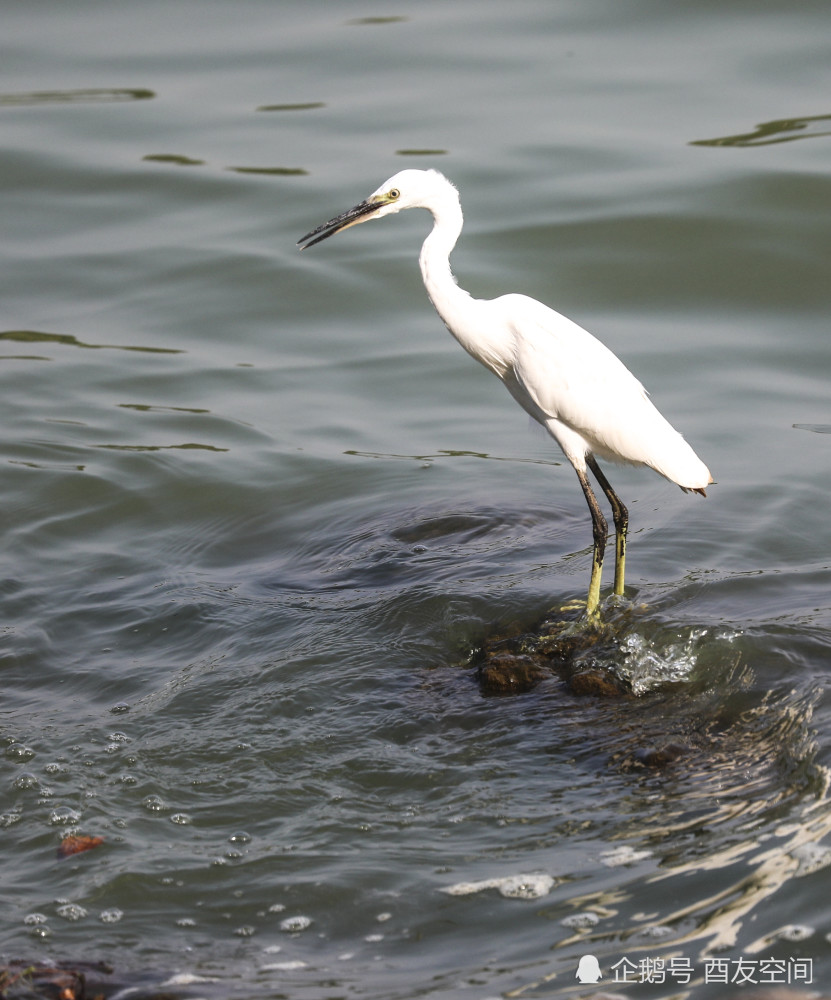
pixel 76 844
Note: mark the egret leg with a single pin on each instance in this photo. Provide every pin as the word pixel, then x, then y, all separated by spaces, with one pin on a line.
pixel 621 518
pixel 600 532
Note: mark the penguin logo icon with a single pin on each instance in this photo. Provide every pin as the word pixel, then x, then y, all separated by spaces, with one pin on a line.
pixel 588 971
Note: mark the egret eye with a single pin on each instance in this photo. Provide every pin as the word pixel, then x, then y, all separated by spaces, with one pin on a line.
pixel 393 194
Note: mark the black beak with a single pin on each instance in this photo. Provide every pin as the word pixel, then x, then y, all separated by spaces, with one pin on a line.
pixel 360 213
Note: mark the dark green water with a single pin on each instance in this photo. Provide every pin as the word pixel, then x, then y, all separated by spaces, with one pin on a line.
pixel 260 511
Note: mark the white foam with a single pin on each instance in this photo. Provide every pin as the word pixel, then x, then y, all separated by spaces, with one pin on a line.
pixel 578 921
pixel 811 858
pixel 510 886
pixel 292 924
pixel 623 856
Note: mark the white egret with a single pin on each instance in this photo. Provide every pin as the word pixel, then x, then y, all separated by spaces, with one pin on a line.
pixel 573 385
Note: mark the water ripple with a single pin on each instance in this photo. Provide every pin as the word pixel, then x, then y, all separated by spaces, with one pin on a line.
pixel 778 130
pixel 88 95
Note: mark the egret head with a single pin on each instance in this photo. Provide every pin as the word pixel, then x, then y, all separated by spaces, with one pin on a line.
pixel 406 189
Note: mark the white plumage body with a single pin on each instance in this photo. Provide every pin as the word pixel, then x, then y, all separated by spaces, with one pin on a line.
pixel 574 386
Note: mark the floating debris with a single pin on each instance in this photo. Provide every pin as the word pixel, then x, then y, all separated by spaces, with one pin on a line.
pixel 77 843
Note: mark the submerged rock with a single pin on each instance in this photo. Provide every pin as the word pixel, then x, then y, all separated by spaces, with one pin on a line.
pixel 20 980
pixel 63 980
pixel 598 682
pixel 582 653
pixel 506 673
pixel 660 756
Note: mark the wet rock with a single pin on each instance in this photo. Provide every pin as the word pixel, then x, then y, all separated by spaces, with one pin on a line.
pixel 21 980
pixel 62 981
pixel 597 682
pixel 509 673
pixel 660 756
pixel 564 644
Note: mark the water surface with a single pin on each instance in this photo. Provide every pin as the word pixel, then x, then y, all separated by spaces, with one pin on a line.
pixel 261 512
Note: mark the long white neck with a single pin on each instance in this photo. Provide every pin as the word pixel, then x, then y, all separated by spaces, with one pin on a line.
pixel 460 312
pixel 434 260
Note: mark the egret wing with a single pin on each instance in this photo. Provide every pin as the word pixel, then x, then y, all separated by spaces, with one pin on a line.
pixel 562 373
